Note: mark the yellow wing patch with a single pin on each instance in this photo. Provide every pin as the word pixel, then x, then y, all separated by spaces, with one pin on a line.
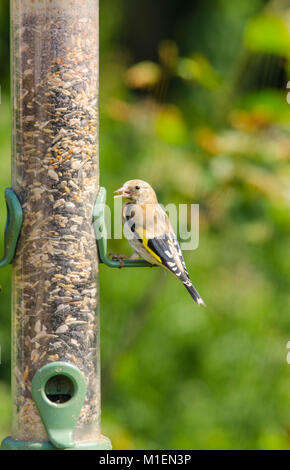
pixel 145 240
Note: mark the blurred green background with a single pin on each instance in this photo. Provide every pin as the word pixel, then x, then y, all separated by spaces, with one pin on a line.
pixel 193 98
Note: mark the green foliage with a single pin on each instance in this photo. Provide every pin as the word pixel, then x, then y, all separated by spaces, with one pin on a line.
pixel 268 34
pixel 206 122
pixel 170 126
pixel 5 411
pixel 270 104
pixel 199 69
pixel 143 75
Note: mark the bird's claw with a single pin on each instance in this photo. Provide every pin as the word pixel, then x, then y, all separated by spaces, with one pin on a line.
pixel 119 257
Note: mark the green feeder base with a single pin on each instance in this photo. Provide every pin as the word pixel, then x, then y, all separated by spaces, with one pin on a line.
pixel 12 444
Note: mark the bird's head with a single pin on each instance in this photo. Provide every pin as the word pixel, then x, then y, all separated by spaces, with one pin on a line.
pixel 137 192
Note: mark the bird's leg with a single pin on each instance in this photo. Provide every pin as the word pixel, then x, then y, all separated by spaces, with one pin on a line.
pixel 120 257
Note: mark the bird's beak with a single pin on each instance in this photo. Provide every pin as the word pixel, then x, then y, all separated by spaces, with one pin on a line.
pixel 121 192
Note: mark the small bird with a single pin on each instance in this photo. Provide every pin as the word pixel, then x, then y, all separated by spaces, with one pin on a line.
pixel 148 230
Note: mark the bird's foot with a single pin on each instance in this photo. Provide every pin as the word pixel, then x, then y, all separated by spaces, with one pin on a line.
pixel 119 257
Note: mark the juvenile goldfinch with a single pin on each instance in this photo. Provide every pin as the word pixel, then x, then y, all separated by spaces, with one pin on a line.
pixel 148 230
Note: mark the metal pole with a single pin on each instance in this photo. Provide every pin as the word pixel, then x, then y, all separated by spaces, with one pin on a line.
pixel 55 271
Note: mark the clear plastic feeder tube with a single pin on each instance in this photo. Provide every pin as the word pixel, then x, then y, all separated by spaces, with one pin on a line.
pixel 55 175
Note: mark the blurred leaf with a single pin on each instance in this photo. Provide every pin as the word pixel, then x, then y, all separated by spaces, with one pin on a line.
pixel 143 75
pixel 257 232
pixel 198 68
pixel 273 439
pixel 265 106
pixel 168 54
pixel 264 182
pixel 223 167
pixel 268 34
pixel 248 121
pixel 207 140
pixel 170 126
pixel 120 437
pixel 5 410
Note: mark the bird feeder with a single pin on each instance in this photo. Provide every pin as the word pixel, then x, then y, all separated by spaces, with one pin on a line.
pixel 50 236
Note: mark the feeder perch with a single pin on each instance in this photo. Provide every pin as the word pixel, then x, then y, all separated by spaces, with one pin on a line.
pixel 49 237
pixel 13 226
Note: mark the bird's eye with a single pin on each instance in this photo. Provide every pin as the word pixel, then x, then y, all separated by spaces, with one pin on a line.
pixel 137 187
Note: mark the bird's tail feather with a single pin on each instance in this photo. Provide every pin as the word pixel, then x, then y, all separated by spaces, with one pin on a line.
pixel 193 292
pixel 184 278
